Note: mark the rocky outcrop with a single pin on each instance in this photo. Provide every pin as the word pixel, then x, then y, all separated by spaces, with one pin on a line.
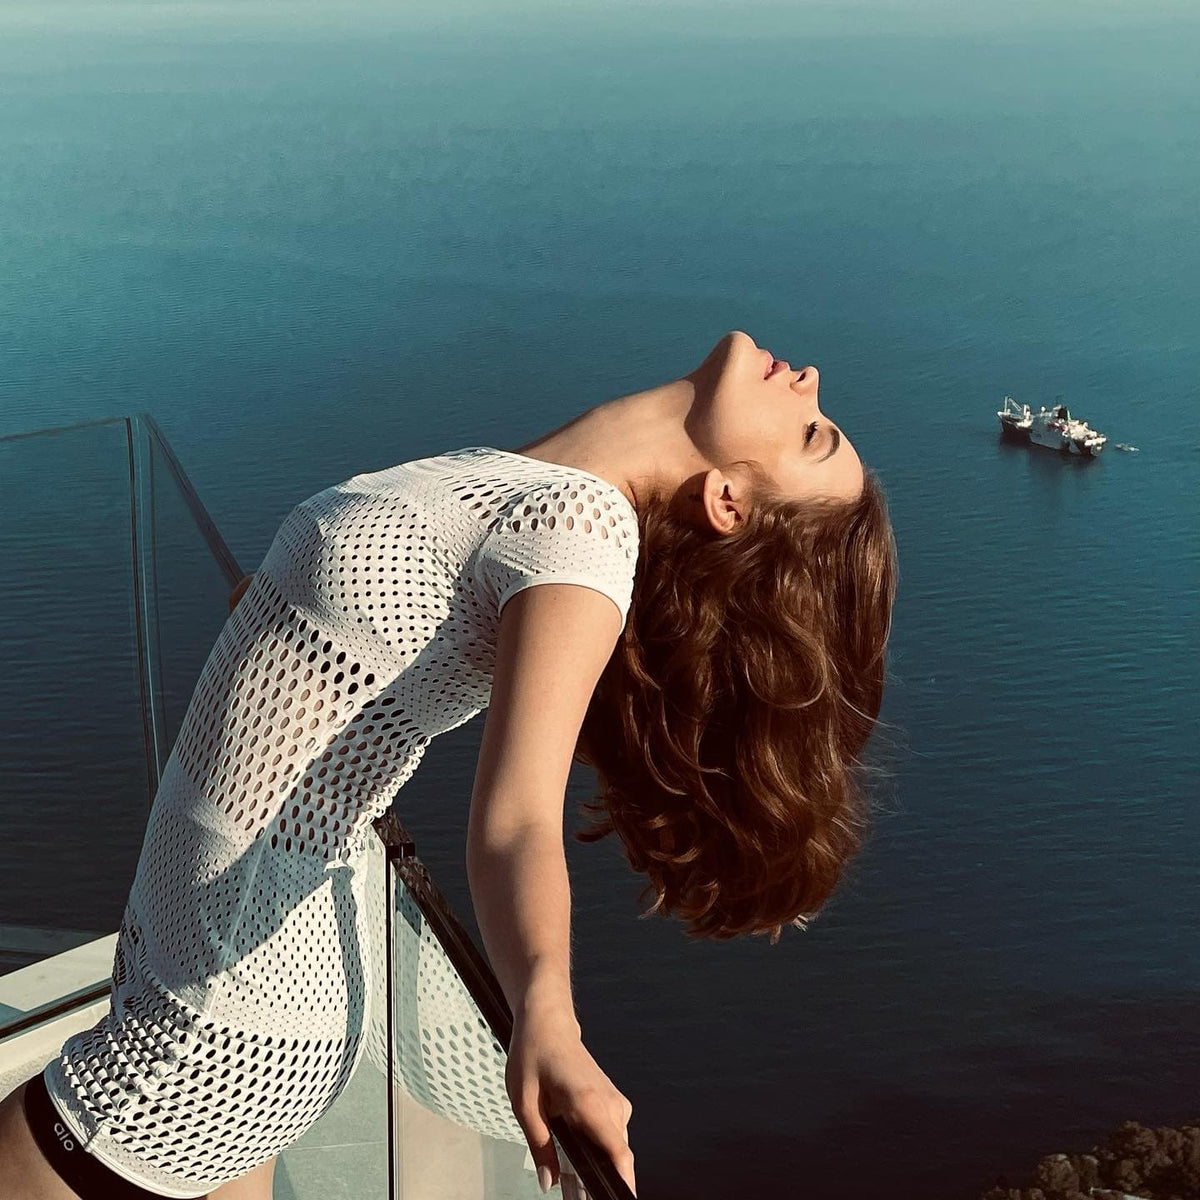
pixel 1135 1163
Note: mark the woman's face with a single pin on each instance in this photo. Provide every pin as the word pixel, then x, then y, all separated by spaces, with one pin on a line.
pixel 749 407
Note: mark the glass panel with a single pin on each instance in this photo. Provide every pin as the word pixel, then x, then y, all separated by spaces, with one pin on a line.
pixel 345 1154
pixel 453 1130
pixel 114 588
pixel 74 781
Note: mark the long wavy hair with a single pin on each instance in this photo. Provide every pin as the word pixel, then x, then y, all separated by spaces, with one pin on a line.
pixel 727 728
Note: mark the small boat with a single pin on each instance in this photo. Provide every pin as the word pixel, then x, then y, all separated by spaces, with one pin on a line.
pixel 1053 428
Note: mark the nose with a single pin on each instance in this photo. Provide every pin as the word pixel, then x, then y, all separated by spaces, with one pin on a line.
pixel 809 377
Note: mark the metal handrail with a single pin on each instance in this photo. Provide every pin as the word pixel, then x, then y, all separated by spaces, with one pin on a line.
pixel 141 429
pixel 48 429
pixel 58 1007
pixel 217 545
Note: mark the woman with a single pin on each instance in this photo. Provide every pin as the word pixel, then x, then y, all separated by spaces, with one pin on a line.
pixel 723 692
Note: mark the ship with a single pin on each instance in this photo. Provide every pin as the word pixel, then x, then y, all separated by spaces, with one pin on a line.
pixel 1053 428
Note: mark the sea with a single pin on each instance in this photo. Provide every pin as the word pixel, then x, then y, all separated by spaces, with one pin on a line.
pixel 315 239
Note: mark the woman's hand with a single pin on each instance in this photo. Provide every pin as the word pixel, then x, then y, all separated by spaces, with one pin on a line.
pixel 551 1074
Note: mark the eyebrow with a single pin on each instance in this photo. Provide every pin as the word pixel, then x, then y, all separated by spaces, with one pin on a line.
pixel 833 445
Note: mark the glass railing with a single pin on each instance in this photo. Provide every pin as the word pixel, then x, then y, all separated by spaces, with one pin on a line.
pixel 114 585
pixel 452 1129
pixel 114 590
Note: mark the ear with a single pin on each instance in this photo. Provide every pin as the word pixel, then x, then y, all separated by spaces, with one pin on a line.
pixel 723 499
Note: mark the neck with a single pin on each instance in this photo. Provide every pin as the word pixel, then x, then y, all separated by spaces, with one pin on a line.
pixel 637 442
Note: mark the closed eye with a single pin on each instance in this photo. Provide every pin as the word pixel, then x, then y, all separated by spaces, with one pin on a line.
pixel 810 432
pixel 835 440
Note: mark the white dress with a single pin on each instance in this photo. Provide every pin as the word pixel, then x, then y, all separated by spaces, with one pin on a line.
pixel 243 974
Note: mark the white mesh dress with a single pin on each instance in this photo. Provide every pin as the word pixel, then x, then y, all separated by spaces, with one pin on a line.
pixel 243 975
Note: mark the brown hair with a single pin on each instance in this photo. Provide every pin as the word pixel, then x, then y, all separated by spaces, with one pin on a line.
pixel 727 727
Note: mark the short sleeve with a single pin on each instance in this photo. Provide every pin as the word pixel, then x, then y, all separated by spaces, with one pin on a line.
pixel 571 532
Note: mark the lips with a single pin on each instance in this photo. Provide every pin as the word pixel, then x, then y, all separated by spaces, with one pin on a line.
pixel 777 365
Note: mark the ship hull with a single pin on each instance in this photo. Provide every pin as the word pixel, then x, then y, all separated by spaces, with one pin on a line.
pixel 1014 432
pixel 1050 438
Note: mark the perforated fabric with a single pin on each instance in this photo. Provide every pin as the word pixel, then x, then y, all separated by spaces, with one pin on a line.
pixel 243 975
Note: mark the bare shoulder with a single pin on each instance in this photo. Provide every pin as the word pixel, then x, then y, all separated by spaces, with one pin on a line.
pixel 553 644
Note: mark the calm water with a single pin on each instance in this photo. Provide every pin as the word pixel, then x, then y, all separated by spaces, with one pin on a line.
pixel 319 245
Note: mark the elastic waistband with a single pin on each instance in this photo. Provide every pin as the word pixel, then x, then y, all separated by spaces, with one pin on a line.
pixel 79 1170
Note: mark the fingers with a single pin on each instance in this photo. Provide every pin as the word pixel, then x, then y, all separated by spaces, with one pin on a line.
pixel 572 1189
pixel 537 1133
pixel 603 1119
pixel 602 1114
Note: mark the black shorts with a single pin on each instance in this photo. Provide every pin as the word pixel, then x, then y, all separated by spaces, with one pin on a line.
pixel 88 1176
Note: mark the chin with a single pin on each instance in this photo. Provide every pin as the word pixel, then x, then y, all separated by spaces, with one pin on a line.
pixel 728 348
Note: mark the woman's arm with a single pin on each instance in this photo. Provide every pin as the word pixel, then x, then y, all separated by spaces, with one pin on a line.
pixel 241 585
pixel 554 641
pixel 522 903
